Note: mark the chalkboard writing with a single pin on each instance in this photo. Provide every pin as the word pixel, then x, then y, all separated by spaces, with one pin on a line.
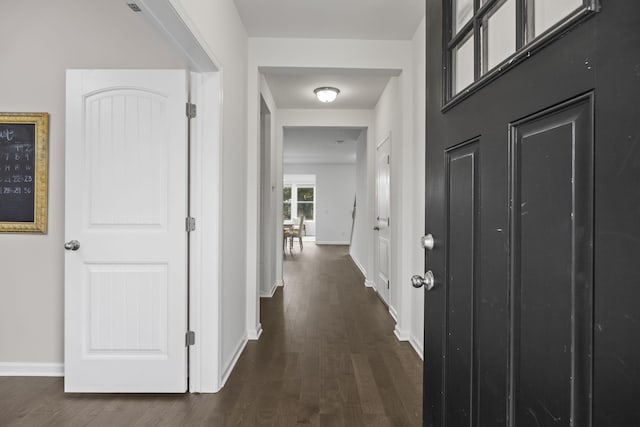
pixel 17 172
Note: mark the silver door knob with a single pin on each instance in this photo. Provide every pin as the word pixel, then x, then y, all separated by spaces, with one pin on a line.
pixel 72 245
pixel 428 242
pixel 428 281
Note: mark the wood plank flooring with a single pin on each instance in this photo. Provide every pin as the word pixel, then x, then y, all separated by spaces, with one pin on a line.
pixel 327 357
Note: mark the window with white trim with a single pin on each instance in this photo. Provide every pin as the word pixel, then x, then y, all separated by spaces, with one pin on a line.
pixel 299 200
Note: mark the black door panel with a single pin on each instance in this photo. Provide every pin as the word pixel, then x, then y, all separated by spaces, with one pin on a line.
pixel 462 205
pixel 535 318
pixel 551 271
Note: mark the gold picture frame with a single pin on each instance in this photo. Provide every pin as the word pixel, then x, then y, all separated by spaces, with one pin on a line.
pixel 24 158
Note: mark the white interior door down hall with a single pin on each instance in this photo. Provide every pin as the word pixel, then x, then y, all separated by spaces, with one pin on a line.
pixel 381 228
pixel 126 250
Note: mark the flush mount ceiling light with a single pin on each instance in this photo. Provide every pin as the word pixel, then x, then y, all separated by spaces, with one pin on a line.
pixel 326 94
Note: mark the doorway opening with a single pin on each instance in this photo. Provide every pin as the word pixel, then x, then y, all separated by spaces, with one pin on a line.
pixel 324 187
pixel 370 105
pixel 320 181
pixel 299 208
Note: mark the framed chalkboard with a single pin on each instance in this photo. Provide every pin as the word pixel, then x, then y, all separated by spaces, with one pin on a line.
pixel 24 158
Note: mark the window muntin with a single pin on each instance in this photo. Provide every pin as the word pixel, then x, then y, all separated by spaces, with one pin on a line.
pixel 497 32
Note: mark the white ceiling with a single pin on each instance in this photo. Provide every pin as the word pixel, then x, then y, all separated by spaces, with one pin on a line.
pixel 332 19
pixel 359 89
pixel 319 144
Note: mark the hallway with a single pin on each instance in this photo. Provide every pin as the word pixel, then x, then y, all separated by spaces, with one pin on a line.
pixel 327 357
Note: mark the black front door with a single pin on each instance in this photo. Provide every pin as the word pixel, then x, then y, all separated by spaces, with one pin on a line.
pixel 533 197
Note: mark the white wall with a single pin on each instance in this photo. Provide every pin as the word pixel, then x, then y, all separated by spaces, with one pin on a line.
pixel 220 29
pixel 335 190
pixel 42 40
pixel 359 249
pixel 419 80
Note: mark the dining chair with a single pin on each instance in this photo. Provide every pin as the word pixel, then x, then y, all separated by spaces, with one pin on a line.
pixel 298 231
pixel 287 237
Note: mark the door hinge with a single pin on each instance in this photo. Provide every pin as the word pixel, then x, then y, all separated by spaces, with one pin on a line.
pixel 191 338
pixel 388 284
pixel 190 224
pixel 191 110
pixel 388 159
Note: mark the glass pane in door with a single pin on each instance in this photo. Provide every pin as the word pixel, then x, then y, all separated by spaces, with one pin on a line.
pixel 499 34
pixel 546 13
pixel 463 68
pixel 461 13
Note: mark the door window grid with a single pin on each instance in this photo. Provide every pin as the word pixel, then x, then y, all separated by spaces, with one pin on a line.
pixel 499 44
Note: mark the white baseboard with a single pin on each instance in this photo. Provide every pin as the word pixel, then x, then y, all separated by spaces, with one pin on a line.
pixel 270 292
pixel 393 313
pixel 255 334
pixel 401 334
pixel 14 369
pixel 369 283
pixel 332 243
pixel 416 346
pixel 360 267
pixel 236 355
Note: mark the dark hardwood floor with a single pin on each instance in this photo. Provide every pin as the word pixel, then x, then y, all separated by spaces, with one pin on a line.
pixel 327 357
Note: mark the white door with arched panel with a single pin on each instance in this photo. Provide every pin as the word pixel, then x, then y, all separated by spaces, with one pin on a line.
pixel 126 257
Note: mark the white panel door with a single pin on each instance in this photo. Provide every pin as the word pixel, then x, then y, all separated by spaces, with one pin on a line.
pixel 126 203
pixel 382 237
